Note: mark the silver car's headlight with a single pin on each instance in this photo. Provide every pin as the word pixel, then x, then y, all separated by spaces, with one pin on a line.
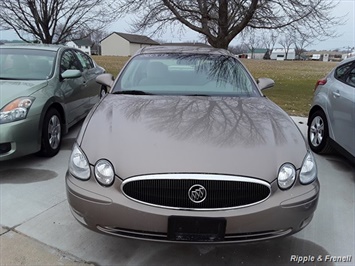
pixel 79 164
pixel 286 176
pixel 308 170
pixel 104 172
pixel 16 110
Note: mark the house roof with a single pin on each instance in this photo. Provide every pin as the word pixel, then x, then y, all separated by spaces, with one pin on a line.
pixel 83 42
pixel 258 51
pixel 135 38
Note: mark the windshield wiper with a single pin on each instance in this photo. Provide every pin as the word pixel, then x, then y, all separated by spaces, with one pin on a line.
pixel 197 94
pixel 133 92
pixel 5 78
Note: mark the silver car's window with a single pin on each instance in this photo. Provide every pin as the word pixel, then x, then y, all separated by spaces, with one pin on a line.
pixel 85 60
pixel 342 70
pixel 187 74
pixel 350 79
pixel 69 61
pixel 26 64
pixel 346 73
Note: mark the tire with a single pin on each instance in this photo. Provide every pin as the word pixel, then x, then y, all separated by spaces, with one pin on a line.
pixel 103 92
pixel 51 134
pixel 318 133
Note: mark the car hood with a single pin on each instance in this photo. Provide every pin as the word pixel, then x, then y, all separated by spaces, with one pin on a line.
pixel 188 134
pixel 12 89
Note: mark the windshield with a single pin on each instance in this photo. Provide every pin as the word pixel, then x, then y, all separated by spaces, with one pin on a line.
pixel 26 64
pixel 186 74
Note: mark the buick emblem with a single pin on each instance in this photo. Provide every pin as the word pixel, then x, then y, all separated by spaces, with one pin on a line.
pixel 197 193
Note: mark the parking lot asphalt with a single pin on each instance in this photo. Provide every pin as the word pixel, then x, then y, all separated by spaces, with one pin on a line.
pixel 37 227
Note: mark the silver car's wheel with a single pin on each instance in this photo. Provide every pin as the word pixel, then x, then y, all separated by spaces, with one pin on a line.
pixel 51 133
pixel 54 132
pixel 318 134
pixel 317 131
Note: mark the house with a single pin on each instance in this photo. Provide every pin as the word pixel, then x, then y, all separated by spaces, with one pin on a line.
pixel 325 56
pixel 280 54
pixel 84 45
pixel 124 44
pixel 257 53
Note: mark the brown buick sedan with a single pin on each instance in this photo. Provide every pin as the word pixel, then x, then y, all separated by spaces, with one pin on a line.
pixel 186 148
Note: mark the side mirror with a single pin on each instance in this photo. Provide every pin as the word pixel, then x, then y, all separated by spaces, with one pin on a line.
pixel 105 79
pixel 71 74
pixel 265 83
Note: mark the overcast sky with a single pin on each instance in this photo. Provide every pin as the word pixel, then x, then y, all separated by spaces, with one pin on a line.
pixel 345 9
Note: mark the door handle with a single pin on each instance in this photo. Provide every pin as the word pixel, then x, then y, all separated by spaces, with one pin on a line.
pixel 336 94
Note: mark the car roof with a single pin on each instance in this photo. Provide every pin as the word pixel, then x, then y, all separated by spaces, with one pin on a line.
pixel 50 47
pixel 185 49
pixel 345 61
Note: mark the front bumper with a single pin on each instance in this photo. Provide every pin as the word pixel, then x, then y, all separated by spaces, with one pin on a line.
pixel 108 211
pixel 19 138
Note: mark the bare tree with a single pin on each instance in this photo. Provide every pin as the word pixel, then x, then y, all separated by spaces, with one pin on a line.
pixel 252 41
pixel 238 49
pixel 301 42
pixel 269 39
pixel 222 20
pixel 56 21
pixel 286 41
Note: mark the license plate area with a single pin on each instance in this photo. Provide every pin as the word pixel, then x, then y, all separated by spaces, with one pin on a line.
pixel 196 229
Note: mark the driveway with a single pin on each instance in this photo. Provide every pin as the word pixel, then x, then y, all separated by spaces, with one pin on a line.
pixel 38 228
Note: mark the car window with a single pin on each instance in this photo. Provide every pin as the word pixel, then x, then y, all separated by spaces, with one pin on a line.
pixel 26 64
pixel 69 61
pixel 342 70
pixel 85 60
pixel 350 78
pixel 187 74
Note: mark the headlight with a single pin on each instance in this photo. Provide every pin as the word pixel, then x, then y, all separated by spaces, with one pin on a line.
pixel 286 176
pixel 78 164
pixel 16 110
pixel 104 172
pixel 309 169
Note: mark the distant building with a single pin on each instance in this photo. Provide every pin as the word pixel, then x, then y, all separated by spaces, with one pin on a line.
pixel 325 56
pixel 257 53
pixel 280 54
pixel 124 44
pixel 84 45
pixel 317 57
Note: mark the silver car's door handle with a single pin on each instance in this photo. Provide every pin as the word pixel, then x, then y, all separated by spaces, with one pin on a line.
pixel 336 94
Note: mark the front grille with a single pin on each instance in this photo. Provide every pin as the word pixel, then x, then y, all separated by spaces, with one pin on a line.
pixel 174 192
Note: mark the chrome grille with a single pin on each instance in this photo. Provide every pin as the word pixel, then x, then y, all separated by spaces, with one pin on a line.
pixel 172 191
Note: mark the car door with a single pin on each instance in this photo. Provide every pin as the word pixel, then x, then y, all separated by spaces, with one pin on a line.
pixel 92 90
pixel 342 107
pixel 73 89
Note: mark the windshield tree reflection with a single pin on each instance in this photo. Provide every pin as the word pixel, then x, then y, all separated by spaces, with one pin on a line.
pixel 187 74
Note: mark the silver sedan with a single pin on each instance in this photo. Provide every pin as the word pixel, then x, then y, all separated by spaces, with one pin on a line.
pixel 332 116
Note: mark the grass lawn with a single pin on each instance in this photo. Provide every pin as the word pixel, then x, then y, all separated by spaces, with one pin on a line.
pixel 294 80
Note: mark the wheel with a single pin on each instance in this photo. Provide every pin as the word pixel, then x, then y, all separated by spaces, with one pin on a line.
pixel 51 134
pixel 318 133
pixel 103 92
